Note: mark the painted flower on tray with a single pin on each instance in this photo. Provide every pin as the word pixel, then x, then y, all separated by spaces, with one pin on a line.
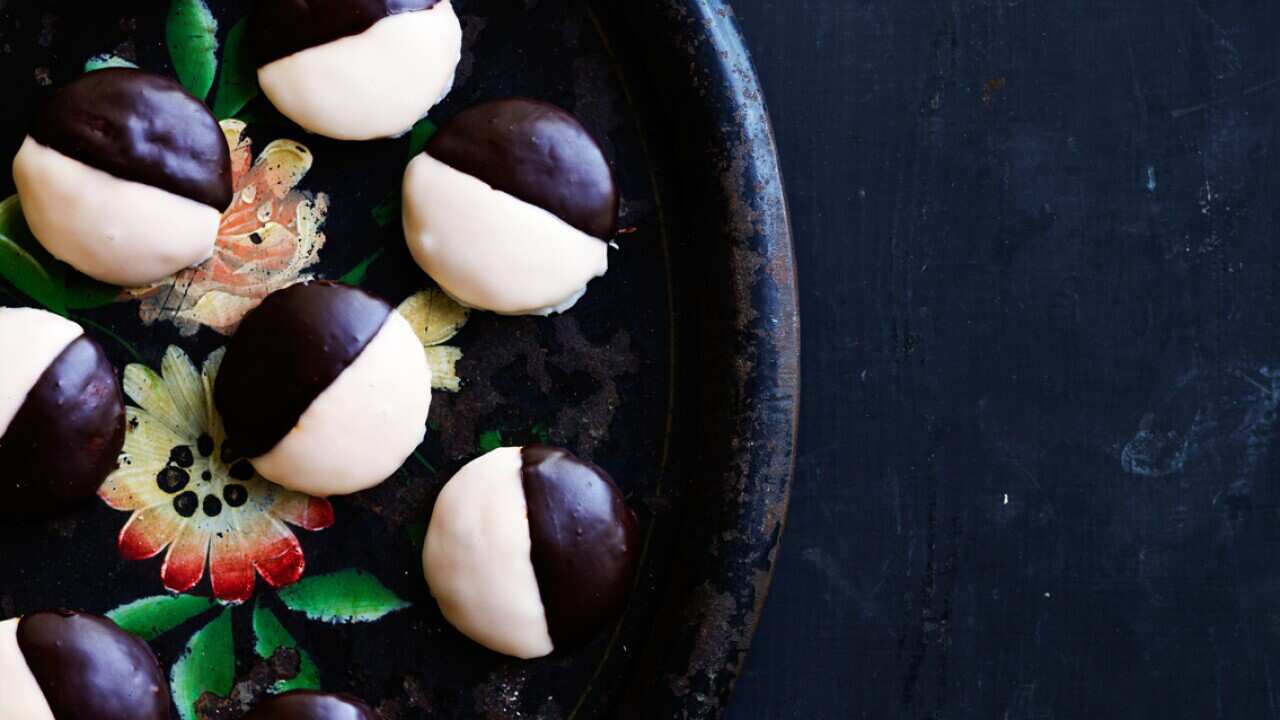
pixel 190 492
pixel 268 237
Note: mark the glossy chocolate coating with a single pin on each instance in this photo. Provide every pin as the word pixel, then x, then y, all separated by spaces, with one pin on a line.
pixel 287 351
pixel 66 437
pixel 536 152
pixel 141 127
pixel 308 705
pixel 585 540
pixel 280 28
pixel 89 669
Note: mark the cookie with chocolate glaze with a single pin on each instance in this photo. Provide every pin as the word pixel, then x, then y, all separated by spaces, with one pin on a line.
pixel 124 175
pixel 63 665
pixel 511 207
pixel 325 388
pixel 310 705
pixel 61 412
pixel 356 69
pixel 531 550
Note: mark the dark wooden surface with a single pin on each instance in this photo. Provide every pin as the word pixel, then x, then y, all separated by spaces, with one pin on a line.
pixel 1039 471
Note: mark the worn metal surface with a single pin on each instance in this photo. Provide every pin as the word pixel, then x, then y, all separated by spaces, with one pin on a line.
pixel 1039 468
pixel 678 372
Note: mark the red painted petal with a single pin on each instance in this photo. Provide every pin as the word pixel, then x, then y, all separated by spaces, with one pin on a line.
pixel 230 568
pixel 149 531
pixel 278 555
pixel 306 512
pixel 184 565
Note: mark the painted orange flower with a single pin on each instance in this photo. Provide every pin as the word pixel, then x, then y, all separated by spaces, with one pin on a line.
pixel 268 237
pixel 190 492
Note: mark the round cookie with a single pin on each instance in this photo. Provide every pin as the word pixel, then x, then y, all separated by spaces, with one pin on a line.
pixel 356 69
pixel 63 665
pixel 511 208
pixel 309 705
pixel 530 550
pixel 125 176
pixel 61 412
pixel 325 388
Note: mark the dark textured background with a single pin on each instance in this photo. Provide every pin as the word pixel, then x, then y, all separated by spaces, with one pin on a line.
pixel 1039 471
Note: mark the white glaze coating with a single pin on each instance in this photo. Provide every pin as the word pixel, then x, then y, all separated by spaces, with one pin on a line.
pixel 371 85
pixel 491 250
pixel 30 340
pixel 20 695
pixel 363 426
pixel 118 231
pixel 477 557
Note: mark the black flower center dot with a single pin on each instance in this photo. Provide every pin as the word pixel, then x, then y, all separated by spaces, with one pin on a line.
pixel 205 445
pixel 242 470
pixel 186 504
pixel 172 479
pixel 206 476
pixel 235 495
pixel 181 456
pixel 212 505
pixel 228 453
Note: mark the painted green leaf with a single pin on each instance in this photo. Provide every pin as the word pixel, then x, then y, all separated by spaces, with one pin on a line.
pixel 207 665
pixel 24 273
pixel 192 36
pixel 270 636
pixel 151 617
pixel 387 211
pixel 238 78
pixel 32 270
pixel 417 534
pixel 423 461
pixel 357 274
pixel 490 440
pixel 98 62
pixel 418 137
pixel 345 596
pixel 542 432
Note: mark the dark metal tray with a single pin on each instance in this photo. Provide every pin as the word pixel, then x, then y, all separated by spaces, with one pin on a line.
pixel 678 372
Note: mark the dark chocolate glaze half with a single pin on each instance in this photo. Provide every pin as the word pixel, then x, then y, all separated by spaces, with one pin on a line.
pixel 585 541
pixel 308 705
pixel 287 351
pixel 66 436
pixel 89 669
pixel 536 152
pixel 280 28
pixel 141 127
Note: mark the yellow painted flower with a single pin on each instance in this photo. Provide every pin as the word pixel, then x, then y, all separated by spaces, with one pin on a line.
pixel 190 492
pixel 436 318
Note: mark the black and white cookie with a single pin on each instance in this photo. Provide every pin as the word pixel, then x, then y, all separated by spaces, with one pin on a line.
pixel 61 412
pixel 356 69
pixel 62 665
pixel 325 387
pixel 309 705
pixel 511 208
pixel 125 176
pixel 530 550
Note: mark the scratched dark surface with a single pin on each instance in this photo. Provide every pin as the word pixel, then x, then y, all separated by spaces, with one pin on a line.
pixel 1039 471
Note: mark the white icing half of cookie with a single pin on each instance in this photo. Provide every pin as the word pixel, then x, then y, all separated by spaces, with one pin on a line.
pixel 477 557
pixel 361 429
pixel 30 340
pixel 20 695
pixel 372 85
pixel 118 231
pixel 492 250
